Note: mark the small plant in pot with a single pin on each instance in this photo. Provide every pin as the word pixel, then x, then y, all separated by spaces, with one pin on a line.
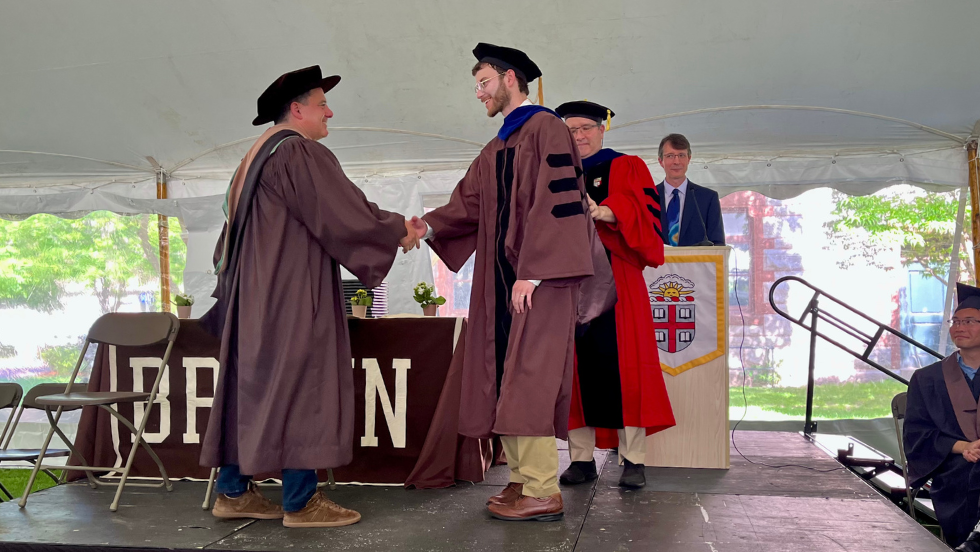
pixel 360 302
pixel 424 296
pixel 183 303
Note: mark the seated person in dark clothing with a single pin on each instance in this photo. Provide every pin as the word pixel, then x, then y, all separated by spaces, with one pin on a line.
pixel 942 435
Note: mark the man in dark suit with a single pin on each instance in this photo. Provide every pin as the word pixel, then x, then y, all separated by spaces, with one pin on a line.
pixel 690 214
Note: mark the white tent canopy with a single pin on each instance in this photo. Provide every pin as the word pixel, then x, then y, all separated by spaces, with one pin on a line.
pixel 778 97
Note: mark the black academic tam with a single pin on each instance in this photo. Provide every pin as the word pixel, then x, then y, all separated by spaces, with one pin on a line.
pixel 585 109
pixel 967 297
pixel 507 58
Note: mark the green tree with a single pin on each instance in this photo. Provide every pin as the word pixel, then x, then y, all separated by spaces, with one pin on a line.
pixel 43 254
pixel 921 223
pixel 62 358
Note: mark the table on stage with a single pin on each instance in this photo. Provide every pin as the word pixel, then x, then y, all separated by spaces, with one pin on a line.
pixel 407 377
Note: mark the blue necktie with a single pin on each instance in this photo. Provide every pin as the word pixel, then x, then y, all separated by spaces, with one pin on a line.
pixel 674 218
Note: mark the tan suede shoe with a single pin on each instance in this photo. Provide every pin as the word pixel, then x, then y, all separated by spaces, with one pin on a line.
pixel 510 493
pixel 249 505
pixel 526 508
pixel 320 511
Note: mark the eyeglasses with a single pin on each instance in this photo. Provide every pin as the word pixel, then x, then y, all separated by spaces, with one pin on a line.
pixel 482 85
pixel 968 322
pixel 672 156
pixel 583 129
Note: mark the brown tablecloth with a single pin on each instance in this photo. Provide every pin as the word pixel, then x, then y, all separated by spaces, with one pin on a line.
pixel 432 454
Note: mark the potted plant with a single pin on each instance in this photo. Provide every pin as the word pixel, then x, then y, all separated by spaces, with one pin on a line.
pixel 424 297
pixel 183 303
pixel 360 302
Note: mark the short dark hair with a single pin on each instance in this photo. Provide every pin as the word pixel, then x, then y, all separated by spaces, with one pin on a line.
pixel 284 112
pixel 521 83
pixel 677 141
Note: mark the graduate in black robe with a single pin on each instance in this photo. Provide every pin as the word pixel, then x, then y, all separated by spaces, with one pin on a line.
pixel 941 434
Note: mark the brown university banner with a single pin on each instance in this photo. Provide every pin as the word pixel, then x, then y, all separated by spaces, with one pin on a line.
pixel 407 376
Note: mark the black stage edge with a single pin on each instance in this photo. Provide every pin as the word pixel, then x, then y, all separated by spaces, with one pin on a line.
pixel 749 508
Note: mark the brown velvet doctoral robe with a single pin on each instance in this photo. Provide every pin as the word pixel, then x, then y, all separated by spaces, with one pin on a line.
pixel 285 392
pixel 521 207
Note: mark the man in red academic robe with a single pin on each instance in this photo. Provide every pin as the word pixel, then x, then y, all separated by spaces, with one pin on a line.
pixel 284 401
pixel 619 395
pixel 520 199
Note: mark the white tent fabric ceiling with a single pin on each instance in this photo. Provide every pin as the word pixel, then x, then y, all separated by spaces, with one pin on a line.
pixel 853 95
pixel 93 89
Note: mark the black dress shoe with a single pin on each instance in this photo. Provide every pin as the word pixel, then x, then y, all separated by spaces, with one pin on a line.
pixel 579 472
pixel 971 544
pixel 633 476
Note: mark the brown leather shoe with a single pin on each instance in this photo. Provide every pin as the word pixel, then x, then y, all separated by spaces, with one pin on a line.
pixel 527 508
pixel 251 504
pixel 320 511
pixel 510 493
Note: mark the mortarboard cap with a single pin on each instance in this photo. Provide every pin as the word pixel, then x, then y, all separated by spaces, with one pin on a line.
pixel 507 58
pixel 967 297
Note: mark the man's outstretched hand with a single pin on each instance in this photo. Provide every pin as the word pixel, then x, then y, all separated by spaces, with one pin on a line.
pixel 411 239
pixel 601 212
pixel 419 226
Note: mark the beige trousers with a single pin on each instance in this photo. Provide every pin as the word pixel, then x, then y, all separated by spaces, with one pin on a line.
pixel 533 461
pixel 632 444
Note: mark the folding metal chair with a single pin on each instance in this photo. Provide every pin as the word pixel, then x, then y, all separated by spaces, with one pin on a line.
pixel 10 397
pixel 899 403
pixel 124 330
pixel 898 415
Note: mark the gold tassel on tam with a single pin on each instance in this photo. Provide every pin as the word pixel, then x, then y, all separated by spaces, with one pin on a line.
pixel 608 119
pixel 540 90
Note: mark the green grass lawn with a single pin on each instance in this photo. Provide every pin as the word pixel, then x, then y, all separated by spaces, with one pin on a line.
pixel 836 401
pixel 16 480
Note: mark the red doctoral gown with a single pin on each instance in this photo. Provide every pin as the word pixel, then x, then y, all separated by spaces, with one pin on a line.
pixel 639 398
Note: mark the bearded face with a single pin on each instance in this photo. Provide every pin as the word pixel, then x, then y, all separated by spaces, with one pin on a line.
pixel 499 100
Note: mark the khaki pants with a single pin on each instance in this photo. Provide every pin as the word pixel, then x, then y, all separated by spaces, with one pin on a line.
pixel 632 444
pixel 533 461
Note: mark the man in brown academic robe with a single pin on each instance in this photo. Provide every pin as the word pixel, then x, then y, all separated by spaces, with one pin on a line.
pixel 285 395
pixel 521 208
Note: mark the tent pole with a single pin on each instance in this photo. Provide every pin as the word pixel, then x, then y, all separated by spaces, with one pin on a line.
pixel 163 226
pixel 971 152
pixel 954 270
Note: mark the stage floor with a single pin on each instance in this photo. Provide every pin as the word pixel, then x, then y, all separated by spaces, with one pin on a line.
pixel 749 508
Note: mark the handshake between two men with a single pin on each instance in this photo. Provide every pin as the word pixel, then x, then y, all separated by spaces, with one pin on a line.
pixel 415 229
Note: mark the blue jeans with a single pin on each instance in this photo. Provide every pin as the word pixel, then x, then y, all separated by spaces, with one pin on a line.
pixel 298 486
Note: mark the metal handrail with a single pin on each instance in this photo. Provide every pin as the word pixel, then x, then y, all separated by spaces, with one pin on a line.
pixel 815 313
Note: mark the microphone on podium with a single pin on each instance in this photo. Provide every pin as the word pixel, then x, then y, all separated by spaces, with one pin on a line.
pixel 705 242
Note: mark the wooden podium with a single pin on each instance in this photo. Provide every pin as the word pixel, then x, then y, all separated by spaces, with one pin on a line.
pixel 689 300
